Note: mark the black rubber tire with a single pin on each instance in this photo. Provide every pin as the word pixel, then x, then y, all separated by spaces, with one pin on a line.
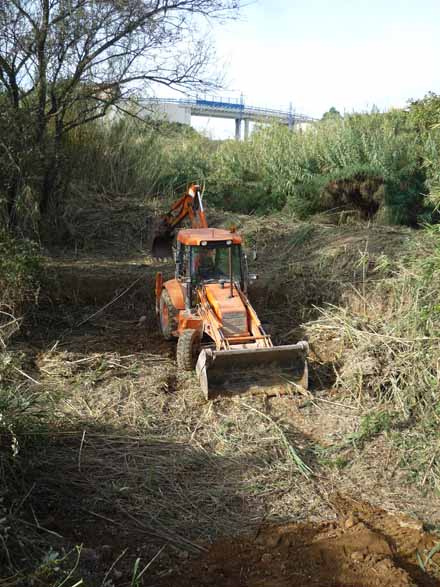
pixel 166 308
pixel 188 349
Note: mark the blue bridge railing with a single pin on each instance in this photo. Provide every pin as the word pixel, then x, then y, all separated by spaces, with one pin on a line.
pixel 219 104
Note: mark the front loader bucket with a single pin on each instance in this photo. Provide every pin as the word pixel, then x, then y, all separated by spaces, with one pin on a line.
pixel 264 369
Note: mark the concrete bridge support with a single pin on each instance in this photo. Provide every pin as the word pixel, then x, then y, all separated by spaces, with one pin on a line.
pixel 246 129
pixel 237 129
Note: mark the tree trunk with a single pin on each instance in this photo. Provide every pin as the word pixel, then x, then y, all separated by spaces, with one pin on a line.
pixel 52 168
pixel 48 185
pixel 11 199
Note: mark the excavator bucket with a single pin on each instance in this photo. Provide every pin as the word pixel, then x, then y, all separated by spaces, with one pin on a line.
pixel 229 372
pixel 162 247
pixel 161 240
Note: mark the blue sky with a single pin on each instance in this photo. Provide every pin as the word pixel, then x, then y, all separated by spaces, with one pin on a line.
pixel 316 54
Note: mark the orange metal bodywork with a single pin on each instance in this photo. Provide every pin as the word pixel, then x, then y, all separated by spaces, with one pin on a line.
pixel 189 320
pixel 226 306
pixel 186 318
pixel 184 207
pixel 227 319
pixel 175 290
pixel 194 237
pixel 214 309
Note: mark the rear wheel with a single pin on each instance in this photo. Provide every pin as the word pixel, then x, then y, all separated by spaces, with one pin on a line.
pixel 167 315
pixel 188 349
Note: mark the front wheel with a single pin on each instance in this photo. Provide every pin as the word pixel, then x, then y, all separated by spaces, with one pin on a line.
pixel 188 349
pixel 167 315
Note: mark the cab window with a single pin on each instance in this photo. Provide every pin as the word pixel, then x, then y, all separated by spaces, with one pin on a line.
pixel 213 263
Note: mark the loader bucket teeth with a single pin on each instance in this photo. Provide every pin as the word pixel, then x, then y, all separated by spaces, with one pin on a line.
pixel 229 372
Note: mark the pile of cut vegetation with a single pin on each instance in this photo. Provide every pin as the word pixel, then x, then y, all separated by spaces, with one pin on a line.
pixel 366 297
pixel 303 266
pixel 387 343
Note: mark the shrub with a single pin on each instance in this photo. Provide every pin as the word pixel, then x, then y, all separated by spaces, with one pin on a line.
pixel 19 269
pixel 379 164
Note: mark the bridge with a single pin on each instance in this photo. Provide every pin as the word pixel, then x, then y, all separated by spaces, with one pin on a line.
pixel 182 109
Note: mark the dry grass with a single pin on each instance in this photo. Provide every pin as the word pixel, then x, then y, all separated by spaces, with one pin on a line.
pixel 386 345
pixel 231 444
pixel 132 449
pixel 380 363
pixel 132 446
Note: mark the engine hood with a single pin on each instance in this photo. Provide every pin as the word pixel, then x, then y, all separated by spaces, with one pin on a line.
pixel 229 310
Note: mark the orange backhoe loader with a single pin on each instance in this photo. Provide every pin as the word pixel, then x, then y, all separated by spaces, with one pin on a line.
pixel 207 309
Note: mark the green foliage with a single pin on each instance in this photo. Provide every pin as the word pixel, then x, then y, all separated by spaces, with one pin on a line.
pixel 331 113
pixel 373 163
pixel 370 426
pixel 425 113
pixel 378 165
pixel 19 411
pixel 234 179
pixel 20 167
pixel 19 269
pixel 186 158
pixel 363 162
pixel 132 157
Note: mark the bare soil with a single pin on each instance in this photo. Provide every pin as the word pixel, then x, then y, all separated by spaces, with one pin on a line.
pixel 363 547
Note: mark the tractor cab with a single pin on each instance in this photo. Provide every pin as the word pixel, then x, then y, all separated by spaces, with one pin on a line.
pixel 210 255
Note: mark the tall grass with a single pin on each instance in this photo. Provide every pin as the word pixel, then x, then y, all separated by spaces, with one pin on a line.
pixel 130 157
pixel 389 349
pixel 367 162
pixel 380 165
pixel 384 166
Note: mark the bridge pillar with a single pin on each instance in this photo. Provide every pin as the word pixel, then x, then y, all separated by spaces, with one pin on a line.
pixel 246 129
pixel 290 116
pixel 237 129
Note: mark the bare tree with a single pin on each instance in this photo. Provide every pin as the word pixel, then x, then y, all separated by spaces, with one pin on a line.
pixel 65 62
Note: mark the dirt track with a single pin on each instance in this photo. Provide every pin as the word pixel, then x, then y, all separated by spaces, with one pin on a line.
pixel 140 463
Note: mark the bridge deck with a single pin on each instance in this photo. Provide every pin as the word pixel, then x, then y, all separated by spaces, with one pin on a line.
pixel 230 108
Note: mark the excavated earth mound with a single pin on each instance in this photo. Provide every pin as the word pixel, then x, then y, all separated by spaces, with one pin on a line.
pixel 364 547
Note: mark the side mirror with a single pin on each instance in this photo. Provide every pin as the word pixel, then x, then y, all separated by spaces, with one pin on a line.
pixel 252 277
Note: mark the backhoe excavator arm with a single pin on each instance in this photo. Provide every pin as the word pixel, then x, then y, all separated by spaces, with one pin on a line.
pixel 189 205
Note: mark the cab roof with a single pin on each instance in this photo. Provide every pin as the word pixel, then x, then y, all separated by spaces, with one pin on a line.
pixel 194 236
